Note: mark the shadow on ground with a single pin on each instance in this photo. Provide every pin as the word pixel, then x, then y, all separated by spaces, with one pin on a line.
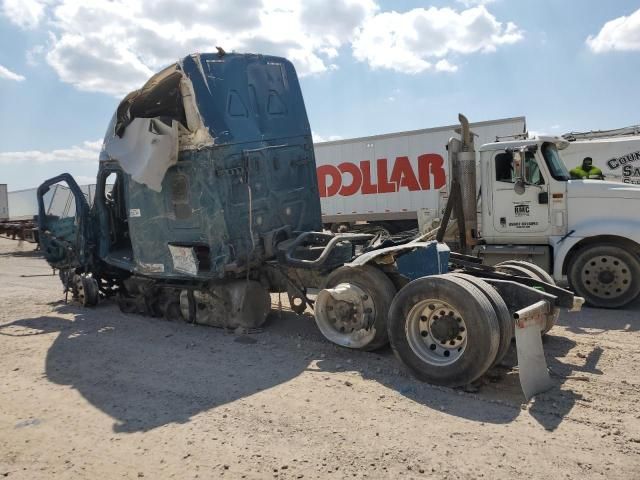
pixel 147 372
pixel 550 408
pixel 34 253
pixel 602 319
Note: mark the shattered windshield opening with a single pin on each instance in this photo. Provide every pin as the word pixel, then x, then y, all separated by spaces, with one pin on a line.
pixel 556 166
pixel 160 97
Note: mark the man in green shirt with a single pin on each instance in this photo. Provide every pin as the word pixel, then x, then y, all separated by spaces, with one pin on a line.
pixel 586 170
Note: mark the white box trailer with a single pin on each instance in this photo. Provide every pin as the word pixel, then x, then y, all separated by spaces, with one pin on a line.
pixel 615 152
pixel 23 204
pixel 4 202
pixel 388 178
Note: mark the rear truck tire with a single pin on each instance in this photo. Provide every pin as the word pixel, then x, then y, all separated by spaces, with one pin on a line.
pixel 606 275
pixel 505 319
pixel 524 269
pixel 444 330
pixel 532 267
pixel 352 309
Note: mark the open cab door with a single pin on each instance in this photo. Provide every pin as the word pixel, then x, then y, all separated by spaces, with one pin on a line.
pixel 63 218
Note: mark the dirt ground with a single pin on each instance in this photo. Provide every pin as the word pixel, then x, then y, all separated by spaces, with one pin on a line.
pixel 95 393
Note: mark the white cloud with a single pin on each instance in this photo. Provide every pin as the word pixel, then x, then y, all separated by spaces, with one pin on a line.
pixel 473 3
pixel 622 34
pixel 444 66
pixel 412 41
pixel 87 152
pixel 114 46
pixel 336 20
pixel 9 75
pixel 319 138
pixel 24 13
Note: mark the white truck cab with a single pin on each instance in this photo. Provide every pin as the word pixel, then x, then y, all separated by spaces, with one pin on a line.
pixel 586 232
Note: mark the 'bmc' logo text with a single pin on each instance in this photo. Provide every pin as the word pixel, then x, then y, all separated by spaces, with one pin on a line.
pixel 348 178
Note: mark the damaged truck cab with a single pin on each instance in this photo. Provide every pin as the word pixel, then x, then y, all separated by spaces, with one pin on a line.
pixel 207 201
pixel 202 171
pixel 215 155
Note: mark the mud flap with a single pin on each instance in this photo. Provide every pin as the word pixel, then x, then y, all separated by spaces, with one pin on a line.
pixel 532 366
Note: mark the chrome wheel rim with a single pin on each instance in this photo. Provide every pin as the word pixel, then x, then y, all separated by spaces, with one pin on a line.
pixel 436 332
pixel 606 276
pixel 345 314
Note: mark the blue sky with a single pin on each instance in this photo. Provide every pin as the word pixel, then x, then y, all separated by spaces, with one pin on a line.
pixel 367 66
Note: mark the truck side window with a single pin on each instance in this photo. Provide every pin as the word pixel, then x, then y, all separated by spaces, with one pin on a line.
pixel 532 170
pixel 505 173
pixel 504 168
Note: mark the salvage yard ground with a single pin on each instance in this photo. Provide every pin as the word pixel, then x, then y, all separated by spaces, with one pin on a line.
pixel 95 393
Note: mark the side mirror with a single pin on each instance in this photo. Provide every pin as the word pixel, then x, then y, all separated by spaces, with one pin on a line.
pixel 518 169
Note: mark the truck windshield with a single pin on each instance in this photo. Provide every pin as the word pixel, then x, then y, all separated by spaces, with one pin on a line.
pixel 556 166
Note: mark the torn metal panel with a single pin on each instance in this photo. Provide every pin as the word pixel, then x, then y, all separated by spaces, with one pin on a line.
pixel 147 148
pixel 196 135
pixel 152 124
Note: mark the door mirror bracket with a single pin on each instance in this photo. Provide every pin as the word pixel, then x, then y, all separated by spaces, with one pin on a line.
pixel 519 173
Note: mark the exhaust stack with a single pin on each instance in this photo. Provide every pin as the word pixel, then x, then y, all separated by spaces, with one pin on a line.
pixel 462 160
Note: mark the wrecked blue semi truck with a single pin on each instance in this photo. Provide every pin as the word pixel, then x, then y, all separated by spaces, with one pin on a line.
pixel 207 202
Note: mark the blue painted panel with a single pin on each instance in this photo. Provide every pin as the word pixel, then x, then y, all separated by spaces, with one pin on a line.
pixel 421 262
pixel 258 177
pixel 246 97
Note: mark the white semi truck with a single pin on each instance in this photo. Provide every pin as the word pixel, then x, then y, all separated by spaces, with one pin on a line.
pixel 586 232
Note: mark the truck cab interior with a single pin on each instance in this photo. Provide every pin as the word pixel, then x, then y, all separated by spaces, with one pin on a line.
pixel 111 208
